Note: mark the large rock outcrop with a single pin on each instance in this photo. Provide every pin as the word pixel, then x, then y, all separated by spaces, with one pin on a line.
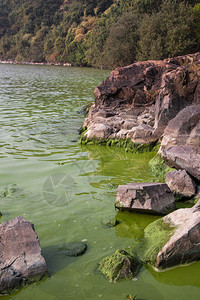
pixel 139 100
pixel 145 198
pixel 181 141
pixel 21 261
pixel 174 239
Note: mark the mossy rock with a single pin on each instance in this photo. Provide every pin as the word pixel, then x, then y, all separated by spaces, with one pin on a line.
pixel 156 235
pixel 159 168
pixel 85 110
pixel 111 223
pixel 122 143
pixel 73 249
pixel 120 265
pixel 82 130
pixel 11 189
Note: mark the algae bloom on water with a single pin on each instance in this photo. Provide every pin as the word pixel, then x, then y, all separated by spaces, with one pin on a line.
pixel 120 265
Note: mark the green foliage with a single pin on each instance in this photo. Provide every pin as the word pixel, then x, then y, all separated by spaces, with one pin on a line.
pixel 167 33
pixel 121 44
pixel 114 32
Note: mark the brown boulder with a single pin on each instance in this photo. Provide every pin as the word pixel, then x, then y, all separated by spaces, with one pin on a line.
pixel 184 129
pixel 173 239
pixel 184 245
pixel 180 144
pixel 145 198
pixel 180 183
pixel 21 261
pixel 145 93
pixel 183 157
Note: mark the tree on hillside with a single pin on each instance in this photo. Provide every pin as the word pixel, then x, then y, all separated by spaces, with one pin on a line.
pixel 167 33
pixel 121 45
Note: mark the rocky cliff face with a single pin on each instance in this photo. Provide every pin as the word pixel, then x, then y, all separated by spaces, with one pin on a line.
pixel 139 100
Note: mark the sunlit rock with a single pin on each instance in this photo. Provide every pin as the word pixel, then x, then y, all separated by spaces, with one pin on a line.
pixel 145 198
pixel 21 261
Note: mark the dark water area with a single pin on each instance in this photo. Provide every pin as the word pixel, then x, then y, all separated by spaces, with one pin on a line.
pixel 68 191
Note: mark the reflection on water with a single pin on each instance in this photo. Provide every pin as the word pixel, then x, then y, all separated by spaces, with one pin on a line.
pixel 68 190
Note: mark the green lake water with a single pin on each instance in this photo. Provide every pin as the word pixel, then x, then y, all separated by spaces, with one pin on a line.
pixel 68 190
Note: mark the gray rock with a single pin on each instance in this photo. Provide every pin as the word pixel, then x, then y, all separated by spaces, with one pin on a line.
pixel 181 183
pixel 145 197
pixel 21 261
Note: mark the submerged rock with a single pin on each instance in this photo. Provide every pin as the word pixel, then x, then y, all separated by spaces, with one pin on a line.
pixel 120 265
pixel 173 240
pixel 145 197
pixel 73 248
pixel 21 261
pixel 11 190
pixel 111 223
pixel 180 183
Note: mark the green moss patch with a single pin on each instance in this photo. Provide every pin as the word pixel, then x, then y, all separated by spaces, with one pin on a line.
pixel 159 168
pixel 156 235
pixel 122 143
pixel 120 265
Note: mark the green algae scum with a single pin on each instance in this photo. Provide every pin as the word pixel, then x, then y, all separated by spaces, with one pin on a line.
pixel 156 235
pixel 67 190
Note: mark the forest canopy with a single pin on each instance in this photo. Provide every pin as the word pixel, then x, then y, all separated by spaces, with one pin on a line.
pixel 99 33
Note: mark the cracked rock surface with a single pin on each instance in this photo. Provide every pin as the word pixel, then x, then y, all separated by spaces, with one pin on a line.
pixel 145 197
pixel 21 261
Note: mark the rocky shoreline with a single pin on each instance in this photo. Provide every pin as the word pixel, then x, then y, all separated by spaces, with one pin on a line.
pixel 148 103
pixel 138 107
pixel 141 105
pixel 14 62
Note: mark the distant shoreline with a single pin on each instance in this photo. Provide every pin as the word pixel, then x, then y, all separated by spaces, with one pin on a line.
pixel 14 62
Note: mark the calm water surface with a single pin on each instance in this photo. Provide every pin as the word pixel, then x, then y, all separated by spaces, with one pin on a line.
pixel 68 190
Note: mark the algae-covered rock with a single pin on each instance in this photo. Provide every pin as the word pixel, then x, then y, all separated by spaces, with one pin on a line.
pixel 173 240
pixel 120 265
pixel 10 190
pixel 111 223
pixel 126 143
pixel 156 235
pixel 74 249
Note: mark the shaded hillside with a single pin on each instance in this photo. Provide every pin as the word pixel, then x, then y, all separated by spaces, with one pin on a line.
pixel 99 33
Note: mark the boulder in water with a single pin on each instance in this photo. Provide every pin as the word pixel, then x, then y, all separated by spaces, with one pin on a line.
pixel 21 261
pixel 145 198
pixel 120 265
